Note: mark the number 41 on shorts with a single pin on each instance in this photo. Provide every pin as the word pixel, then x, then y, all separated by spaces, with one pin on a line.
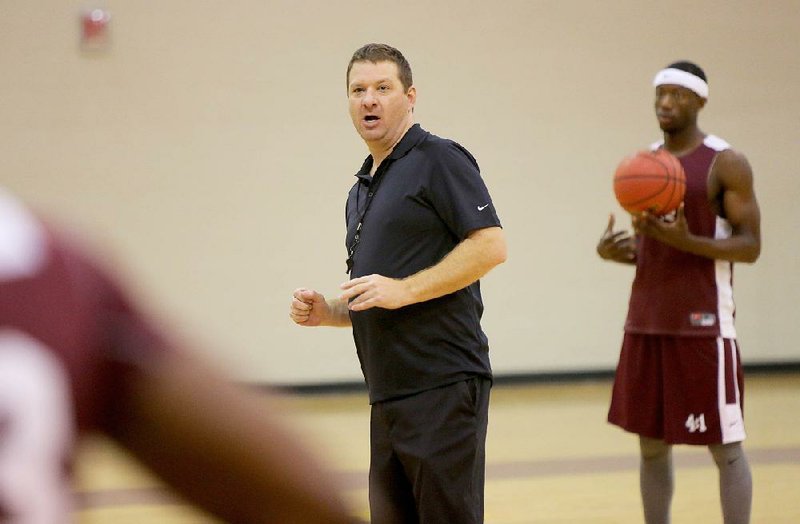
pixel 696 423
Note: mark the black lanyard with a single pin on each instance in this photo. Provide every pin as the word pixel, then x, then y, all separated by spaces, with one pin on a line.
pixel 373 190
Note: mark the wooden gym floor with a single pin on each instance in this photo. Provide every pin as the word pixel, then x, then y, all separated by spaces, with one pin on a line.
pixel 551 459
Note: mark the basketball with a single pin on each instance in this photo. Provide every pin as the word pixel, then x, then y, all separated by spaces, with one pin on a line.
pixel 652 181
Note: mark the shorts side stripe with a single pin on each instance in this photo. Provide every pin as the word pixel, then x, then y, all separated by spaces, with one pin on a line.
pixel 730 372
pixel 730 413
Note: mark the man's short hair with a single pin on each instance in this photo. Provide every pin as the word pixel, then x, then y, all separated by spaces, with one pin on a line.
pixel 383 53
pixel 689 67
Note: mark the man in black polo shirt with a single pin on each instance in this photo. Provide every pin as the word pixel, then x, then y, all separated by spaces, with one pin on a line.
pixel 421 231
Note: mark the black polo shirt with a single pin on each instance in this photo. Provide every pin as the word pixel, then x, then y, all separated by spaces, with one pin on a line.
pixel 428 197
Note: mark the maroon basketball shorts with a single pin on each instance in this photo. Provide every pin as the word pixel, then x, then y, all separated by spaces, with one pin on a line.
pixel 682 390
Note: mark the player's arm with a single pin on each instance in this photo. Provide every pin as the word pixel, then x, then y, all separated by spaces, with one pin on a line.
pixel 740 206
pixel 472 258
pixel 617 246
pixel 310 308
pixel 224 449
pixel 735 177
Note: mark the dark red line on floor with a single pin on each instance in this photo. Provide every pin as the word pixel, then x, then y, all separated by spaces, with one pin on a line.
pixel 505 470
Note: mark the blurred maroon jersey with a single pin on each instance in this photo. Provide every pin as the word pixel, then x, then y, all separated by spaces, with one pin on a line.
pixel 64 327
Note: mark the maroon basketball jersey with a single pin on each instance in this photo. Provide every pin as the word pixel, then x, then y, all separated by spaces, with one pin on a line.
pixel 61 320
pixel 678 293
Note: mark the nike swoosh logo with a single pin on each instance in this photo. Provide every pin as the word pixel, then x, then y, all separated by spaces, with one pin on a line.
pixel 481 208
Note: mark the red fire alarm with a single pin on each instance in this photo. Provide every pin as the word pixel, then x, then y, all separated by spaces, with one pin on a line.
pixel 94 29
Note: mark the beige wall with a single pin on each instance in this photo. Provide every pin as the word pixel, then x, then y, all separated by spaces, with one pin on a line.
pixel 210 149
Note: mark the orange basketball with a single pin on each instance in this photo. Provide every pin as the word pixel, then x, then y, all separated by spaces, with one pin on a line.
pixel 651 181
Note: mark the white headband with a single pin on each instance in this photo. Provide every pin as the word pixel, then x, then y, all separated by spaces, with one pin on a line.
pixel 681 78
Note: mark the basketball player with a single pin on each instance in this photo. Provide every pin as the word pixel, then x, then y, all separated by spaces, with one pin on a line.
pixel 679 378
pixel 421 231
pixel 77 356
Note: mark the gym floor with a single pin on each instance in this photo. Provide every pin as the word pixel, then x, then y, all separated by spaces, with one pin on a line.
pixel 551 459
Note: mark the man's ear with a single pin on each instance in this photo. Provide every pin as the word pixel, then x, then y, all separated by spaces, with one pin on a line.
pixel 412 97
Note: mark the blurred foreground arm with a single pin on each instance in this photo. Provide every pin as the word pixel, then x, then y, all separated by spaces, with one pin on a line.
pixel 221 447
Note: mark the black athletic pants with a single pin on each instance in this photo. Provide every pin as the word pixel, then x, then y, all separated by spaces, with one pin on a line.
pixel 428 456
